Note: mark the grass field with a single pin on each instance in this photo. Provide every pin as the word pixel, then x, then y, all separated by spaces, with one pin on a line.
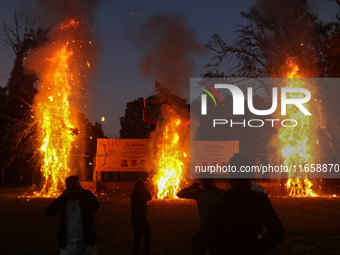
pixel 312 225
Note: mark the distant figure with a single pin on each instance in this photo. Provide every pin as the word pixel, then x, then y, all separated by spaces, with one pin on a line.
pixel 139 197
pixel 77 233
pixel 237 221
pixel 205 197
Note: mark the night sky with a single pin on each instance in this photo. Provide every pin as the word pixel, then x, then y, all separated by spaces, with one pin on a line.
pixel 117 79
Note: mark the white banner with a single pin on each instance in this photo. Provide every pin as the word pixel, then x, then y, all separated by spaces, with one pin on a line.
pixel 210 153
pixel 128 155
pixel 122 154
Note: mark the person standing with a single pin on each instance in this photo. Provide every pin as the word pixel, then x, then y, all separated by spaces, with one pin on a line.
pixel 77 233
pixel 237 221
pixel 139 197
pixel 205 197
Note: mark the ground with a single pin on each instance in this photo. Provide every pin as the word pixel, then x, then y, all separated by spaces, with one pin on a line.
pixel 312 225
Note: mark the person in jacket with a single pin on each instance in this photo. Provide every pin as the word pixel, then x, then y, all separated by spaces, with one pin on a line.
pixel 237 222
pixel 77 233
pixel 206 195
pixel 139 197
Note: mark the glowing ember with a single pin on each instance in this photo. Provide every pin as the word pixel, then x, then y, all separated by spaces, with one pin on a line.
pixel 169 160
pixel 296 143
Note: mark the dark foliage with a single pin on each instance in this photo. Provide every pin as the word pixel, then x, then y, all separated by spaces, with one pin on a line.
pixel 132 125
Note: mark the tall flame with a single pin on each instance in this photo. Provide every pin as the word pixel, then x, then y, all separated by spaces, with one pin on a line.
pixel 169 160
pixel 296 144
pixel 53 112
pixel 57 84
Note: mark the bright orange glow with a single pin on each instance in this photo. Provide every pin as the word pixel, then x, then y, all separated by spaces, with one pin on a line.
pixel 53 111
pixel 58 87
pixel 71 23
pixel 169 160
pixel 296 145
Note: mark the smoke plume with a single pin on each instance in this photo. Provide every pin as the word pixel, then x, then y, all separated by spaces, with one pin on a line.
pixel 57 16
pixel 169 47
pixel 53 12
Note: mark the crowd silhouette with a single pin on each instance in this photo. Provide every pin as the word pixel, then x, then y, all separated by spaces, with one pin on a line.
pixel 238 221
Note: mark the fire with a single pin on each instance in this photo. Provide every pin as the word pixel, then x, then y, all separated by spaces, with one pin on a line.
pixel 296 144
pixel 57 84
pixel 53 111
pixel 169 160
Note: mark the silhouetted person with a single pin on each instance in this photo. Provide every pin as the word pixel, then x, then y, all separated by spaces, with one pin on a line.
pixel 139 197
pixel 77 233
pixel 205 198
pixel 237 222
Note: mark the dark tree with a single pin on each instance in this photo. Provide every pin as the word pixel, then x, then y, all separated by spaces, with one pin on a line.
pixel 20 157
pixel 18 149
pixel 132 125
pixel 332 45
pixel 274 31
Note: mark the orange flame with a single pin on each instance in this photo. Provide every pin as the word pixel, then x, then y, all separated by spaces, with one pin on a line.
pixel 296 144
pixel 53 111
pixel 71 23
pixel 169 160
pixel 58 84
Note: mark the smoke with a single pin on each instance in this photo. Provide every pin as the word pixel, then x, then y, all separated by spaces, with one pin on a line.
pixel 169 47
pixel 53 12
pixel 69 22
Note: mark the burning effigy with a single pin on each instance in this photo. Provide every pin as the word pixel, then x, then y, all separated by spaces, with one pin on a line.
pixel 169 152
pixel 168 46
pixel 62 65
pixel 297 146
